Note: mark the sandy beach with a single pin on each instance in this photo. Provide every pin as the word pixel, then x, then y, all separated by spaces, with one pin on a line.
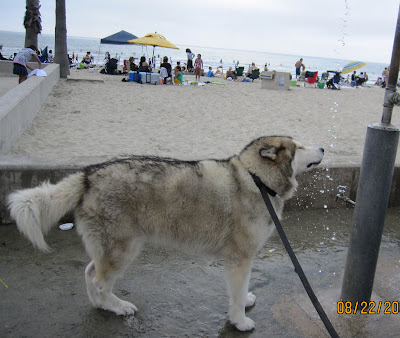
pixel 91 114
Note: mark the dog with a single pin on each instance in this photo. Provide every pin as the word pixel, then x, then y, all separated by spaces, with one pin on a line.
pixel 206 207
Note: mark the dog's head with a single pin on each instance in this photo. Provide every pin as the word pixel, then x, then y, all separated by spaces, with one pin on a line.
pixel 278 159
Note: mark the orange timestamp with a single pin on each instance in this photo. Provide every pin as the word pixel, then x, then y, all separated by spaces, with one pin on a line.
pixel 368 308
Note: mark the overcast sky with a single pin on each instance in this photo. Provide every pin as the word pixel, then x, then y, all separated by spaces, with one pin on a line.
pixel 346 29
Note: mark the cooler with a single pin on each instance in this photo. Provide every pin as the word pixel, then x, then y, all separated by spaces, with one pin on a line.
pixel 133 76
pixel 149 77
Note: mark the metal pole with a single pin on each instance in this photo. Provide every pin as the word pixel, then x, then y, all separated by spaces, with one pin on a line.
pixel 373 193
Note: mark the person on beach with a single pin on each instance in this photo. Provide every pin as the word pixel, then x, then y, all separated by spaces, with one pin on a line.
pixel 190 57
pixel 198 67
pixel 360 79
pixel 384 74
pixel 21 62
pixel 353 79
pixel 387 76
pixel 87 58
pixel 230 75
pixel 210 72
pixel 50 56
pixel 143 65
pixel 266 67
pixel 168 68
pixel 251 68
pixel 299 64
pixel 178 78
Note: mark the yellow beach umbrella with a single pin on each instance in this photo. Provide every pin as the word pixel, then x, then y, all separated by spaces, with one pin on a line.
pixel 352 66
pixel 155 40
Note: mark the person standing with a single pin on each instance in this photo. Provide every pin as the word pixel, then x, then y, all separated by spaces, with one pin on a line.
pixel 190 57
pixel 21 62
pixel 299 64
pixel 198 66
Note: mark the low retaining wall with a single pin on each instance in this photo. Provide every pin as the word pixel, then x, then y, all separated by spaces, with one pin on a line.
pixel 6 67
pixel 317 189
pixel 19 106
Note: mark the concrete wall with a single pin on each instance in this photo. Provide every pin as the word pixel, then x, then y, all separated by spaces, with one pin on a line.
pixel 6 67
pixel 19 106
pixel 317 189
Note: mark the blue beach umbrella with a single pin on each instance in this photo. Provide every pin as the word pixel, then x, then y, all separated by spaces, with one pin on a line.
pixel 352 66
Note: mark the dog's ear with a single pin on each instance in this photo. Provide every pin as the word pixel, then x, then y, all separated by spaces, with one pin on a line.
pixel 269 153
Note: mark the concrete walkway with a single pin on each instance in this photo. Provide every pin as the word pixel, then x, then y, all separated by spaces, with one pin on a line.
pixel 178 295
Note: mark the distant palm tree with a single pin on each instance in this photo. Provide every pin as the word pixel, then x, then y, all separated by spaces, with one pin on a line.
pixel 61 56
pixel 32 22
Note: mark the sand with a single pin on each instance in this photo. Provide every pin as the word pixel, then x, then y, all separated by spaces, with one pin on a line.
pixel 92 114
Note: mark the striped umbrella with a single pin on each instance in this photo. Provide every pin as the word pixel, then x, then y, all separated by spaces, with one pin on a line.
pixel 352 66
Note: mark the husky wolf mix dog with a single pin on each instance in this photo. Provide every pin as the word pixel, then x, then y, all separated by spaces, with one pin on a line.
pixel 207 207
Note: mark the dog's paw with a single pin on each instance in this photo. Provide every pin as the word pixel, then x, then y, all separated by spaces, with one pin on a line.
pixel 246 324
pixel 250 299
pixel 125 308
pixel 119 306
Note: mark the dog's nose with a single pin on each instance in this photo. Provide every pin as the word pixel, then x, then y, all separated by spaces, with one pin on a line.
pixel 322 150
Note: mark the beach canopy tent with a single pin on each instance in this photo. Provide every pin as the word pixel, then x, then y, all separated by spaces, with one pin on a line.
pixel 120 38
pixel 155 40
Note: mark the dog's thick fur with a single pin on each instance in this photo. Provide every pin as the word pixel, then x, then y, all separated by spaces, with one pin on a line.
pixel 210 207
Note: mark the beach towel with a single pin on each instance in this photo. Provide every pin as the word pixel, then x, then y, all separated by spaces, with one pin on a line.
pixel 37 72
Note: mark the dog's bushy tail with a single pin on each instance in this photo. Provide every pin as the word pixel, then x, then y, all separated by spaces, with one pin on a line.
pixel 37 210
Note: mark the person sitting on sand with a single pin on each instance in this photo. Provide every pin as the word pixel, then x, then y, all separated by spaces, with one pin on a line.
pixel 219 71
pixel 210 72
pixel 230 75
pixel 360 79
pixel 178 78
pixel 87 58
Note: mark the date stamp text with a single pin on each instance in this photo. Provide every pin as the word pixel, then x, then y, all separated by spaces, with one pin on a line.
pixel 368 308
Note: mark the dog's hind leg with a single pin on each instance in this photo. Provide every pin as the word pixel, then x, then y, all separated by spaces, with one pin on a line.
pixel 238 276
pixel 101 274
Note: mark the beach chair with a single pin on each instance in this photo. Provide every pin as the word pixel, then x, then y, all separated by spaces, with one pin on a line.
pixel 255 74
pixel 311 78
pixel 239 71
pixel 44 56
pixel 111 66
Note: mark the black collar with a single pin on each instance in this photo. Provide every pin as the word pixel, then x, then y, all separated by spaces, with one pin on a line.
pixel 260 184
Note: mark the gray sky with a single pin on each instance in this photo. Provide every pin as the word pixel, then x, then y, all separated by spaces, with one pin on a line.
pixel 346 29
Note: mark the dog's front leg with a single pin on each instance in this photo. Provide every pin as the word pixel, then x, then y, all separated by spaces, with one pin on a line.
pixel 238 276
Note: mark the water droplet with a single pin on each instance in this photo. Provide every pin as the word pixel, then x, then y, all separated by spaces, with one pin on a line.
pixel 333 238
pixel 325 206
pixel 322 191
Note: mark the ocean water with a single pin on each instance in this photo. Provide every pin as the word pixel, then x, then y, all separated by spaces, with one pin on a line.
pixel 13 41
